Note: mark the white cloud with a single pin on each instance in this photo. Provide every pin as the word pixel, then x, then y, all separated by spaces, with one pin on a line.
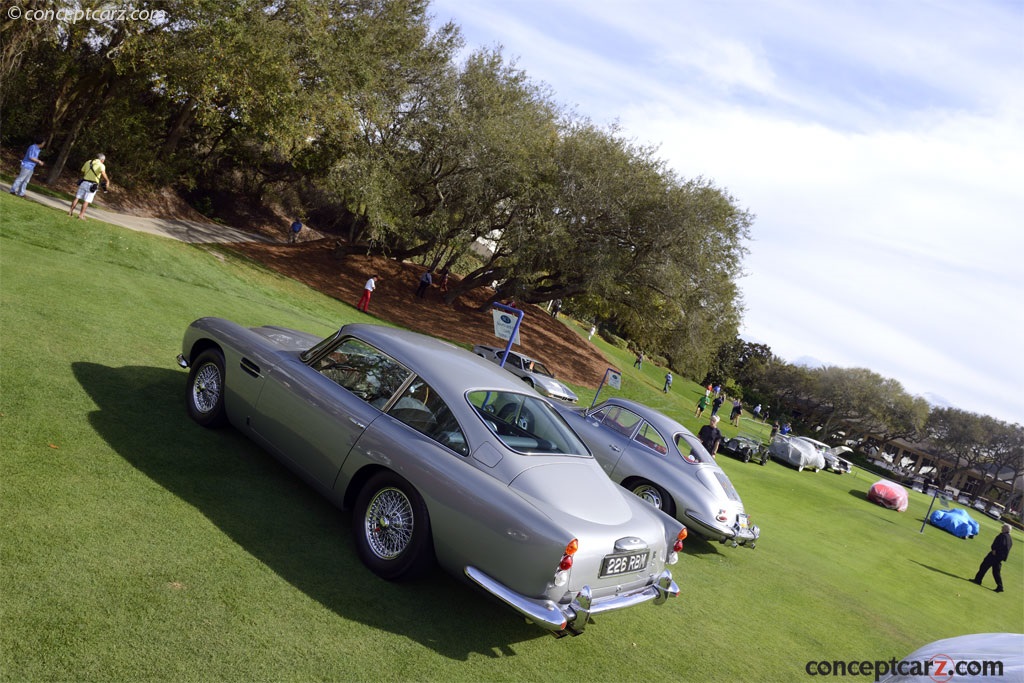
pixel 881 147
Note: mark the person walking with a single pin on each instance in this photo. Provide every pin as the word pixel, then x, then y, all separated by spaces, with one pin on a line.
pixel 710 436
pixel 737 411
pixel 28 167
pixel 716 404
pixel 994 560
pixel 668 382
pixel 702 403
pixel 639 362
pixel 94 174
pixel 364 300
pixel 426 280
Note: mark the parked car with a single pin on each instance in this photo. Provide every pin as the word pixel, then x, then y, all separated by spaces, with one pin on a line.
pixel 662 462
pixel 984 653
pixel 441 457
pixel 796 452
pixel 955 521
pixel 530 370
pixel 833 461
pixel 889 494
pixel 996 511
pixel 745 448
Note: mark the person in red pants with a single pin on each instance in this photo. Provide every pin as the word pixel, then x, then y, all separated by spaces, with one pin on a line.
pixel 364 300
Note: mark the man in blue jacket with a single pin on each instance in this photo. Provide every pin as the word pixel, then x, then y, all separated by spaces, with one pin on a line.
pixel 28 167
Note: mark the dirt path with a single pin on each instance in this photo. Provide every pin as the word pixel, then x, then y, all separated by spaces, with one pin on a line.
pixel 176 228
pixel 312 262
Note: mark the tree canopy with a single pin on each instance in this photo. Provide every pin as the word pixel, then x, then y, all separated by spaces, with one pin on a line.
pixel 387 135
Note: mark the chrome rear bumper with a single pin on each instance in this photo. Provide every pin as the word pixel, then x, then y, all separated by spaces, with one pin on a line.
pixel 573 617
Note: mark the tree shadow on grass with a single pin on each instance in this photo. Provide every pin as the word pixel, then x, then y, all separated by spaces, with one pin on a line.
pixel 282 522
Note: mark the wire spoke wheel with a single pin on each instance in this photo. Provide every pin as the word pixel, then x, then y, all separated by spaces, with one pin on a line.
pixel 389 523
pixel 206 388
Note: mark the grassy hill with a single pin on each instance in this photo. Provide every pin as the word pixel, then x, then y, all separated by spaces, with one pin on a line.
pixel 139 546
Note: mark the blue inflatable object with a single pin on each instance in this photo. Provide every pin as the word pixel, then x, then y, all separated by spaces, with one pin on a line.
pixel 956 522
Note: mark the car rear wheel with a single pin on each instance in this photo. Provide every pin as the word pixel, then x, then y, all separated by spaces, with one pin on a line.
pixel 205 397
pixel 392 528
pixel 655 495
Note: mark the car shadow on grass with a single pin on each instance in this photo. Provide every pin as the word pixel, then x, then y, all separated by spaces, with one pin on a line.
pixel 698 546
pixel 273 515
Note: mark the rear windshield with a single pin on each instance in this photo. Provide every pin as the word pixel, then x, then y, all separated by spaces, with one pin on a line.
pixel 525 423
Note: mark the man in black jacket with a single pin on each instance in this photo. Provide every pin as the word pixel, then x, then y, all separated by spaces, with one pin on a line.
pixel 995 558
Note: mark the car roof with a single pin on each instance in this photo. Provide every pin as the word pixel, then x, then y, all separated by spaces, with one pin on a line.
pixel 441 364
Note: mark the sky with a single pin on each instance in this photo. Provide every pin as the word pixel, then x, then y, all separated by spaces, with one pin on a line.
pixel 880 146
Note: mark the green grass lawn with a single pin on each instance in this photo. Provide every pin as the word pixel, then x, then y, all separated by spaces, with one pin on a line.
pixel 138 546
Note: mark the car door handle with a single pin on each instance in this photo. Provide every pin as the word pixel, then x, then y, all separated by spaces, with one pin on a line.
pixel 614 448
pixel 357 423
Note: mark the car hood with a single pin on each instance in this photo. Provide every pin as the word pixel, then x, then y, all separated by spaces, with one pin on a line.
pixel 573 489
pixel 553 386
pixel 286 339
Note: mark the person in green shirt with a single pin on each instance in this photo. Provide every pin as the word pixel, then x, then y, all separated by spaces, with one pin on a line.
pixel 702 403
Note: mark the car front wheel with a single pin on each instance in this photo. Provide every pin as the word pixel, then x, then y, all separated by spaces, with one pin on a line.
pixel 392 528
pixel 655 495
pixel 205 397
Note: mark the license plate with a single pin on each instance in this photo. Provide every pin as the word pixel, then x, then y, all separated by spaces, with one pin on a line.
pixel 624 564
pixel 743 521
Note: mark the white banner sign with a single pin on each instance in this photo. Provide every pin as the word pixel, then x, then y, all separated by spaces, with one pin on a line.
pixel 614 379
pixel 504 323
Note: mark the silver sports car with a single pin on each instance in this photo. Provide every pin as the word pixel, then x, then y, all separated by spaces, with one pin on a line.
pixel 662 462
pixel 441 456
pixel 530 370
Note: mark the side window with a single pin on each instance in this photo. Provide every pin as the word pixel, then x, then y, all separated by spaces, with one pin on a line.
pixel 421 408
pixel 649 437
pixel 621 420
pixel 363 370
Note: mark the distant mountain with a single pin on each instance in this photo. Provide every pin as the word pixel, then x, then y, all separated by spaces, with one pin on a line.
pixel 809 362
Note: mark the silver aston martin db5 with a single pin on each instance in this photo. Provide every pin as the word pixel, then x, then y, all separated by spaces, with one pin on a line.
pixel 662 462
pixel 442 457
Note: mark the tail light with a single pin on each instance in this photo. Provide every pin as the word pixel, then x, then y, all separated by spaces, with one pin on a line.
pixel 722 516
pixel 680 537
pixel 562 575
pixel 570 550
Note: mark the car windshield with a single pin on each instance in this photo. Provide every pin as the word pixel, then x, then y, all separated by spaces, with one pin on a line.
pixel 526 424
pixel 538 368
pixel 691 449
pixel 365 371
